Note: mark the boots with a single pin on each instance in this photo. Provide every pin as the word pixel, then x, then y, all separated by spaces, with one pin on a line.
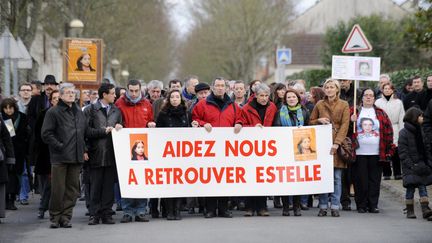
pixel 169 204
pixel 410 209
pixel 177 206
pixel 427 212
pixel 10 202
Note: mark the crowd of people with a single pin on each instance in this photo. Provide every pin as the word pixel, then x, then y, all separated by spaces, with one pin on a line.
pixel 57 141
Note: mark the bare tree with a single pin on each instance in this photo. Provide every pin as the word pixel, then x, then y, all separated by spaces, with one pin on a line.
pixel 229 37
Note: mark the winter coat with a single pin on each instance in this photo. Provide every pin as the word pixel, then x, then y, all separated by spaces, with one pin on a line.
pixel 293 117
pixel 41 149
pixel 427 124
pixel 20 141
pixel 410 99
pixel 386 146
pixel 415 157
pixel 423 98
pixel 207 111
pixel 250 116
pixel 174 117
pixel 338 113
pixel 99 144
pixel 135 115
pixel 395 111
pixel 63 130
pixel 6 148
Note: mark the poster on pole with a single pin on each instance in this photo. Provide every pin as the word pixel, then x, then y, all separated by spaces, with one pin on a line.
pixel 82 60
pixel 190 162
pixel 356 68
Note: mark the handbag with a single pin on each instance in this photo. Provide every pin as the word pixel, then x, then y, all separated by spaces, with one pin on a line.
pixel 346 151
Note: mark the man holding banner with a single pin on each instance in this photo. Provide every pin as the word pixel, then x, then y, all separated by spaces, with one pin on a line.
pixel 217 110
pixel 136 112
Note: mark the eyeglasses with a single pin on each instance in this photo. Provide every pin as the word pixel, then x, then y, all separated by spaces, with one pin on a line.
pixel 69 92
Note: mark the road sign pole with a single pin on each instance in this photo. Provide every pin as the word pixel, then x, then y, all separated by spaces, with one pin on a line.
pixel 6 50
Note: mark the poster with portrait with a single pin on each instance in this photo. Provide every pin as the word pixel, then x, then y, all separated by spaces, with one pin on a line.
pixel 356 68
pixel 304 144
pixel 139 146
pixel 82 59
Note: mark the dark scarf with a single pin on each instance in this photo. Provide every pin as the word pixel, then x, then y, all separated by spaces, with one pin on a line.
pixel 387 97
pixel 261 109
pixel 176 111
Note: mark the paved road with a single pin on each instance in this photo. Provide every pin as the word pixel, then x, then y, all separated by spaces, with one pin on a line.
pixel 388 226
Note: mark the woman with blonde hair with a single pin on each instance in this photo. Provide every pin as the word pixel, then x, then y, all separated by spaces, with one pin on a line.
pixel 332 110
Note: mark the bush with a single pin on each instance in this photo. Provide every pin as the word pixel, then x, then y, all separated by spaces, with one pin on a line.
pixel 313 77
pixel 399 77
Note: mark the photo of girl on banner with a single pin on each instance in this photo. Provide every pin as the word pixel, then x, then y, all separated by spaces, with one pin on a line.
pixel 84 63
pixel 304 144
pixel 363 68
pixel 139 147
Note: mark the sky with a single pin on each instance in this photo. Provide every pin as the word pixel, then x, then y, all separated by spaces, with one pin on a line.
pixel 181 17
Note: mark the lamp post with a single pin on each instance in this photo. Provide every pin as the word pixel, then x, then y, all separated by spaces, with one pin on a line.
pixel 76 28
pixel 115 69
pixel 125 75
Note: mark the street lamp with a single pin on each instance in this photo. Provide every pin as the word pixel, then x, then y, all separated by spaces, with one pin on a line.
pixel 115 69
pixel 76 28
pixel 125 75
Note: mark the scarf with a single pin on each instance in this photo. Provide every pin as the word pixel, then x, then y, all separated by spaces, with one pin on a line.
pixel 286 119
pixel 133 100
pixel 187 95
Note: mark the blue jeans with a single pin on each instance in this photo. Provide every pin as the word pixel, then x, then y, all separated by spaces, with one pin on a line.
pixel 133 206
pixel 336 195
pixel 25 185
pixel 410 192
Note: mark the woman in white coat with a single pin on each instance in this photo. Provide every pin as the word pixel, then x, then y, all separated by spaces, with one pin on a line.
pixel 394 108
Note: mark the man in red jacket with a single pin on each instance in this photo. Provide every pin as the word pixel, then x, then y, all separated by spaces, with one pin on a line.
pixel 217 110
pixel 136 112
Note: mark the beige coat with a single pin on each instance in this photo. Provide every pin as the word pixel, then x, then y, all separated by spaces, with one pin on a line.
pixel 395 111
pixel 338 113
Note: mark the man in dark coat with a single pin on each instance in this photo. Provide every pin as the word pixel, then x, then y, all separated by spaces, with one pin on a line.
pixel 422 99
pixel 217 110
pixel 410 99
pixel 103 117
pixel 64 130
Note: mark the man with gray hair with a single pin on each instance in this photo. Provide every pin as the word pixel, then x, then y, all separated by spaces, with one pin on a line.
pixel 154 90
pixel 189 89
pixel 64 130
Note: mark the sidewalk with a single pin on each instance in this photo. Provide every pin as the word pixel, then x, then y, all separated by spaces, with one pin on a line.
pixel 395 187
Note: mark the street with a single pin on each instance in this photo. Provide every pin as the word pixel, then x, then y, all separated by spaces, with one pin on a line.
pixel 388 226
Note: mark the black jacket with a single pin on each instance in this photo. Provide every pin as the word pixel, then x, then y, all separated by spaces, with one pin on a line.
pixel 20 141
pixel 6 148
pixel 423 98
pixel 40 149
pixel 410 100
pixel 63 130
pixel 99 144
pixel 293 117
pixel 37 104
pixel 415 156
pixel 427 124
pixel 174 118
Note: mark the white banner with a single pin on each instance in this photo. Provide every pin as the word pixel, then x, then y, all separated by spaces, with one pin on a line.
pixel 356 68
pixel 190 162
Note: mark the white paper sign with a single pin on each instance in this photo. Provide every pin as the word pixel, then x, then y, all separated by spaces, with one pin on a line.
pixel 10 126
pixel 190 162
pixel 356 68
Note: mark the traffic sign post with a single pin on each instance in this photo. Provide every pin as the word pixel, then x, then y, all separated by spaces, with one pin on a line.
pixel 356 43
pixel 283 57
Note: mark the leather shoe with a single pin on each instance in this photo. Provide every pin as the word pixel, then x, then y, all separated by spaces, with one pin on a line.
pixel 209 215
pixel 54 225
pixel 374 210
pixel 248 213
pixel 226 214
pixel 93 220
pixel 126 219
pixel 66 224
pixel 108 220
pixel 361 210
pixel 141 218
pixel 41 214
pixel 285 212
pixel 264 213
pixel 297 212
